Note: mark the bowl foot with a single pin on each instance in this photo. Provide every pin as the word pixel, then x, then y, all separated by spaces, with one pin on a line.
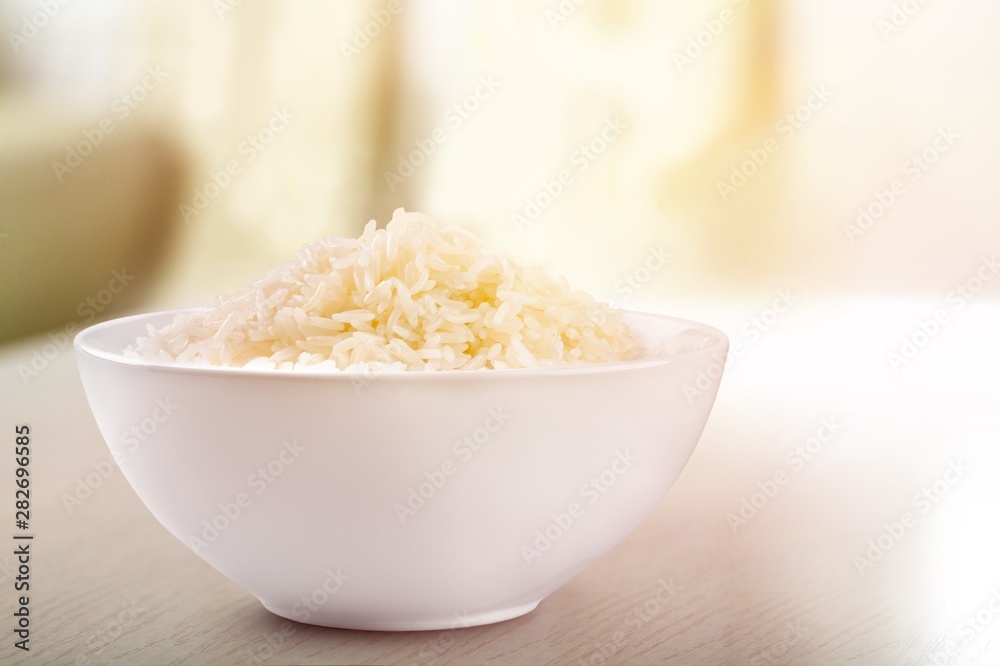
pixel 430 623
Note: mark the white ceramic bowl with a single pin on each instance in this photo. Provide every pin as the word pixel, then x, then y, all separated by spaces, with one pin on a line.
pixel 402 501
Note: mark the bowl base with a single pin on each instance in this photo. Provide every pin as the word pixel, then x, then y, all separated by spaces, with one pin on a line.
pixel 432 623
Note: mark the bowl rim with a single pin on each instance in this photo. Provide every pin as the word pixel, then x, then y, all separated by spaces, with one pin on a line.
pixel 717 349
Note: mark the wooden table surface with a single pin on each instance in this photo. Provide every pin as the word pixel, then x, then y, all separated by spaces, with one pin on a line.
pixel 801 578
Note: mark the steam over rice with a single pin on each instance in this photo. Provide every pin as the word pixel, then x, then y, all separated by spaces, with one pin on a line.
pixel 412 296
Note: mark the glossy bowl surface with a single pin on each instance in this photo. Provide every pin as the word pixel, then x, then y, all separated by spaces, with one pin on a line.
pixel 401 501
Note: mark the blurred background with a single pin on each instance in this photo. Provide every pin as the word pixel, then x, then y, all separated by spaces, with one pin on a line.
pixel 838 147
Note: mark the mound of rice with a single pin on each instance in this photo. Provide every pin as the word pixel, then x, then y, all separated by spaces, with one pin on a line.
pixel 412 296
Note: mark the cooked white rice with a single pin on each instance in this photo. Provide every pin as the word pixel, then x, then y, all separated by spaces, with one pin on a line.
pixel 412 296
